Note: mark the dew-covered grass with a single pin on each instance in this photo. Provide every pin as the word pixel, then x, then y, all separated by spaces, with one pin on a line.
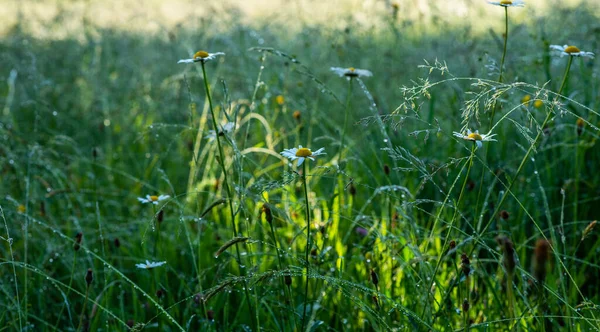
pixel 455 190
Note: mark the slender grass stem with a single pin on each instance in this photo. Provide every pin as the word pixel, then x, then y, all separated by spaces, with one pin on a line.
pixel 346 111
pixel 228 192
pixel 469 162
pixel 287 290
pixel 87 294
pixel 307 245
pixel 505 43
pixel 68 289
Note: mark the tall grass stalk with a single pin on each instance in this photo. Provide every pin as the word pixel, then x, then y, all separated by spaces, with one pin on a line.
pixel 346 111
pixel 229 194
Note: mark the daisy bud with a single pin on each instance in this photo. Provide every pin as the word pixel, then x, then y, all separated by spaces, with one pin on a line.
pixel 89 277
pixel 374 277
pixel 280 100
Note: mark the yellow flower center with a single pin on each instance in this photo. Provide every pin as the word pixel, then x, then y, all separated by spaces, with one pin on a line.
pixel 580 122
pixel 21 208
pixel 351 69
pixel 526 99
pixel 506 2
pixel 280 100
pixel 201 54
pixel 538 103
pixel 303 152
pixel 154 198
pixel 474 136
pixel 572 49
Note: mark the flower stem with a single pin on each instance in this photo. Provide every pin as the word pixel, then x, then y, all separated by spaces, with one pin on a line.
pixel 227 190
pixel 505 43
pixel 87 293
pixel 345 118
pixel 307 244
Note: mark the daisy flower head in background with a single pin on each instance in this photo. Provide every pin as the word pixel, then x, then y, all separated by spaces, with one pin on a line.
pixel 571 50
pixel 153 199
pixel 201 56
pixel 225 129
pixel 301 154
pixel 508 3
pixel 351 72
pixel 149 265
pixel 475 137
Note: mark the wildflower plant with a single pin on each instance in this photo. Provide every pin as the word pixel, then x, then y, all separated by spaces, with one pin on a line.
pixel 301 154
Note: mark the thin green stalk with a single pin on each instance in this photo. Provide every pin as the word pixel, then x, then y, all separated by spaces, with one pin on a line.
pixel 68 289
pixel 87 293
pixel 286 290
pixel 505 43
pixel 345 119
pixel 460 195
pixel 510 295
pixel 495 103
pixel 227 190
pixel 307 244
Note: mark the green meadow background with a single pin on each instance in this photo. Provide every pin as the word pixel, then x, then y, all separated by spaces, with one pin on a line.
pixel 411 227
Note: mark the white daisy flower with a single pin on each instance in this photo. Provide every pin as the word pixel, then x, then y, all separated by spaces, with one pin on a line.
pixel 301 153
pixel 150 265
pixel 508 3
pixel 351 72
pixel 571 50
pixel 153 199
pixel 475 137
pixel 225 129
pixel 201 56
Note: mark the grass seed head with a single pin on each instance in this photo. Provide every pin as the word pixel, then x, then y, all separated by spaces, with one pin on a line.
pixel 374 277
pixel 508 251
pixel 540 258
pixel 77 244
pixel 89 277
